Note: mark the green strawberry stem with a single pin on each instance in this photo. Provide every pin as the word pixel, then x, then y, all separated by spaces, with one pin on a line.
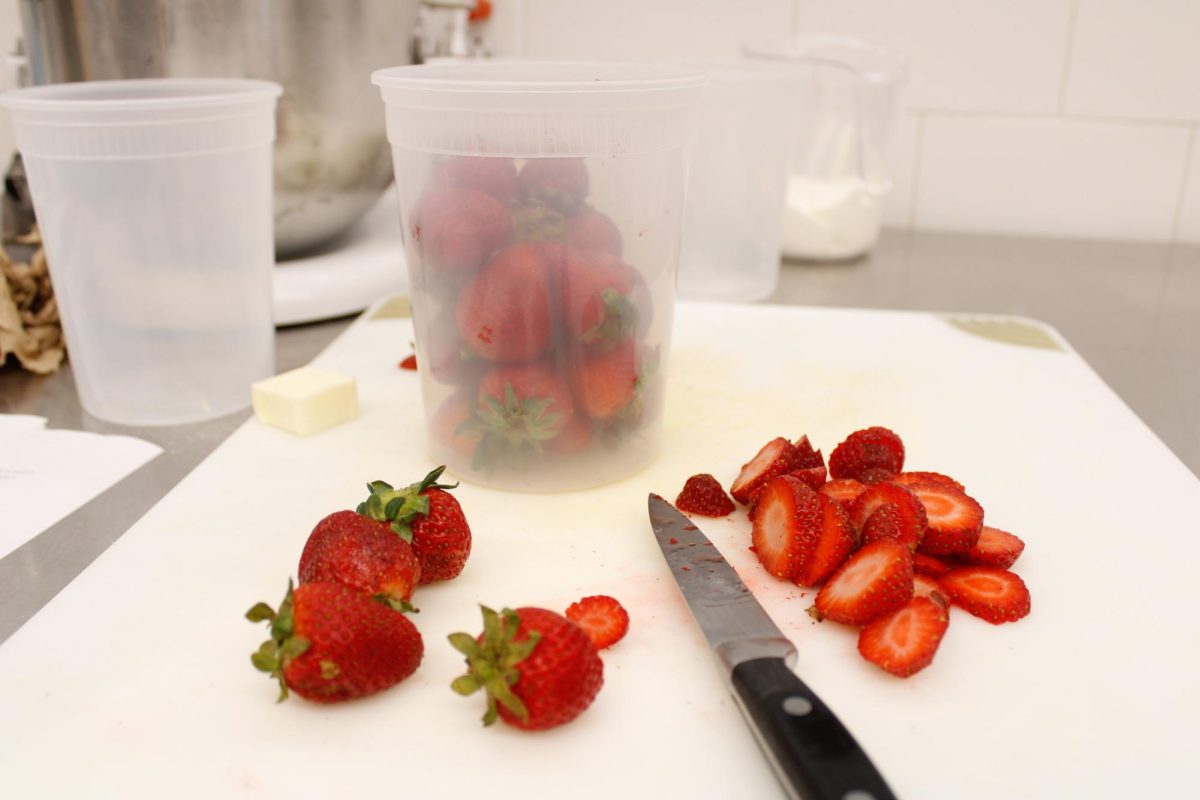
pixel 492 663
pixel 273 655
pixel 620 319
pixel 401 506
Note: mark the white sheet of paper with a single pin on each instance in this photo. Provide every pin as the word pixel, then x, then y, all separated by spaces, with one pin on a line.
pixel 47 474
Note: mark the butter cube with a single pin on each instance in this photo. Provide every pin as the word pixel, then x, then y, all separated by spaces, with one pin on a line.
pixel 305 401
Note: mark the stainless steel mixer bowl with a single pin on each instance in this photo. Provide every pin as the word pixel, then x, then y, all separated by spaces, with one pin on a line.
pixel 332 159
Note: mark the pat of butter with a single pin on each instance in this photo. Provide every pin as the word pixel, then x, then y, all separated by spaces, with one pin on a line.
pixel 305 401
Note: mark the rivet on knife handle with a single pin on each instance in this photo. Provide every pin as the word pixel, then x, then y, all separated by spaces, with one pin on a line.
pixel 813 754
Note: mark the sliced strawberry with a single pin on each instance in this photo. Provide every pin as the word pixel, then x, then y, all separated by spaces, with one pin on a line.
pixel 875 581
pixel 862 450
pixel 934 567
pixel 905 641
pixel 788 521
pixel 813 477
pixel 955 519
pixel 776 457
pixel 602 618
pixel 992 594
pixel 806 456
pixel 875 475
pixel 889 510
pixel 704 495
pixel 995 548
pixel 844 490
pixel 833 546
pixel 925 586
pixel 909 478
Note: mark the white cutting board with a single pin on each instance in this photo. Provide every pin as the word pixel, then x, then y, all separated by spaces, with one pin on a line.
pixel 135 681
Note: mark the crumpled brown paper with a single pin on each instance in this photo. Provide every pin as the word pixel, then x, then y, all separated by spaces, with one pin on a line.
pixel 29 325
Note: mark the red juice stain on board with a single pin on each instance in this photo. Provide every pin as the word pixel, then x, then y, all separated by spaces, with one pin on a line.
pixel 409 363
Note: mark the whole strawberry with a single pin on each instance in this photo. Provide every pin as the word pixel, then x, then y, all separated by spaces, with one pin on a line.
pixel 430 518
pixel 538 668
pixel 496 176
pixel 592 230
pixel 598 304
pixel 330 643
pixel 503 314
pixel 455 230
pixel 364 554
pixel 521 409
pixel 606 383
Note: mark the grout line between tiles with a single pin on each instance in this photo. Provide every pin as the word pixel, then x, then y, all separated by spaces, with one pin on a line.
pixel 1188 155
pixel 1050 116
pixel 1068 53
pixel 916 172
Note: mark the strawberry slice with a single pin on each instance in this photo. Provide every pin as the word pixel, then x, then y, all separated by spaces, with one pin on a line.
pixel 788 523
pixel 909 478
pixel 992 594
pixel 844 490
pixel 835 542
pixel 813 477
pixel 602 618
pixel 925 586
pixel 875 475
pixel 704 495
pixel 955 519
pixel 995 548
pixel 875 581
pixel 806 456
pixel 889 510
pixel 905 641
pixel 934 567
pixel 776 457
pixel 862 450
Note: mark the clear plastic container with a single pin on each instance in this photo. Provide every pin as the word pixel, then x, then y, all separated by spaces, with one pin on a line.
pixel 731 235
pixel 154 202
pixel 542 206
pixel 846 98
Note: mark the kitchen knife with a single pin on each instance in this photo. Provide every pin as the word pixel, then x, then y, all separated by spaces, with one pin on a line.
pixel 812 753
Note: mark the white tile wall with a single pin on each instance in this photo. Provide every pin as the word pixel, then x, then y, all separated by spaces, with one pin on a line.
pixel 1050 177
pixel 902 161
pixel 1136 58
pixel 637 29
pixel 983 55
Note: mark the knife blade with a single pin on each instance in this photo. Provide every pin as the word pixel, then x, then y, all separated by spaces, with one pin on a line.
pixel 810 750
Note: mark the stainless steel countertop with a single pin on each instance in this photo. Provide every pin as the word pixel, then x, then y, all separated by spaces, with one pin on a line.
pixel 1131 310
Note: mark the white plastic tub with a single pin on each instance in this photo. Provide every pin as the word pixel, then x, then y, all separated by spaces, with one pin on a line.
pixel 542 206
pixel 154 203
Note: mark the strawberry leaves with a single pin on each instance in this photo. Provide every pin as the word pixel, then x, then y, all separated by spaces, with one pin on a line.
pixel 401 506
pixel 273 655
pixel 492 662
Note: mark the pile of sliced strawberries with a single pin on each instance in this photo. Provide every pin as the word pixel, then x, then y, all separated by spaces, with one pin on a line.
pixel 889 549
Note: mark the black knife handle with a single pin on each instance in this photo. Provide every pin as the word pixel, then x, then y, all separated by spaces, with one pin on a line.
pixel 810 748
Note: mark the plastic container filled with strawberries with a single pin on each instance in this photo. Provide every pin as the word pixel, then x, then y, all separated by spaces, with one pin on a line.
pixel 542 208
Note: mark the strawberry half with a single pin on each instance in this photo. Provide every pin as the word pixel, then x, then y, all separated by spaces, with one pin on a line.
pixel 703 494
pixel 875 581
pixel 602 618
pixel 955 519
pixel 834 544
pixel 905 641
pixel 862 450
pixel 777 457
pixel 844 490
pixel 788 521
pixel 992 594
pixel 889 510
pixel 995 548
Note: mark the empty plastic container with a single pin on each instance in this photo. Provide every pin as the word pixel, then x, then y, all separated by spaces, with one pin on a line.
pixel 732 229
pixel 542 206
pixel 154 202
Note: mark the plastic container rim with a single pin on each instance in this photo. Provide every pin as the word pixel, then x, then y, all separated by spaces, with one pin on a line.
pixel 169 94
pixel 496 76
